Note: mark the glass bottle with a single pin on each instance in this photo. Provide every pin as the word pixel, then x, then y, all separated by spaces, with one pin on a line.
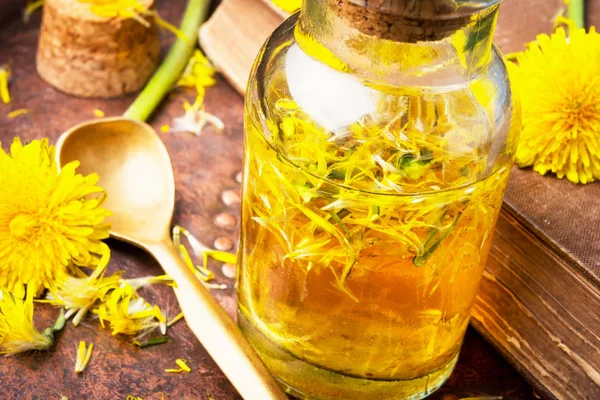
pixel 379 138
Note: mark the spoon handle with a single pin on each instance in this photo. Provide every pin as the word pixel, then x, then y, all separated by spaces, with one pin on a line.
pixel 215 329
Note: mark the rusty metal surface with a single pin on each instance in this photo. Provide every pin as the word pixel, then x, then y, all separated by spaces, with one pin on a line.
pixel 204 167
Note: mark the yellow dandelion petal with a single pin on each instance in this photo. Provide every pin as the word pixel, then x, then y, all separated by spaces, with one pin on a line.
pixel 133 9
pixel 288 6
pixel 83 356
pixel 183 367
pixel 181 363
pixel 199 74
pixel 165 128
pixel 559 88
pixel 201 250
pixel 168 26
pixel 16 113
pixel 17 331
pixel 4 79
pixel 175 319
pixel 31 8
pixel 127 313
pixel 222 256
pixel 50 222
pixel 204 275
pixel 137 283
pixel 79 295
pixel 199 69
pixel 118 9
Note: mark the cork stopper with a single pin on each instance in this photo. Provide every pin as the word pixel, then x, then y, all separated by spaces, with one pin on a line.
pixel 87 55
pixel 407 21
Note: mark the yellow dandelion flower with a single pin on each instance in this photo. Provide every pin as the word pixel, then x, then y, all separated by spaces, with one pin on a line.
pixel 49 221
pixel 83 356
pixel 17 331
pixel 183 367
pixel 79 294
pixel 559 87
pixel 128 313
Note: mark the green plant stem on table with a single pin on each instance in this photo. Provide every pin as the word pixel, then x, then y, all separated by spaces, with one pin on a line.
pixel 576 12
pixel 175 62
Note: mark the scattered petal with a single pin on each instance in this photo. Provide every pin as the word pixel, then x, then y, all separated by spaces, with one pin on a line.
pixel 5 75
pixel 17 331
pixel 127 313
pixel 175 319
pixel 195 119
pixel 198 74
pixel 83 356
pixel 131 9
pixel 183 367
pixel 137 283
pixel 31 8
pixel 18 112
pixel 79 295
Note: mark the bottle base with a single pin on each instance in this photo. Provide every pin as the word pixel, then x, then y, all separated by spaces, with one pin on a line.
pixel 310 382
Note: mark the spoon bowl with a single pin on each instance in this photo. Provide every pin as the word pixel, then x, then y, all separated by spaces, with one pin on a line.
pixel 135 170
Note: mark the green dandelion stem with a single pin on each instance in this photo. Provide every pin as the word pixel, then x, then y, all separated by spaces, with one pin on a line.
pixel 153 342
pixel 169 71
pixel 577 12
pixel 59 324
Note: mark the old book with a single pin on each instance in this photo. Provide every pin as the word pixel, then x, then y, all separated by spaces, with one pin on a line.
pixel 234 34
pixel 539 302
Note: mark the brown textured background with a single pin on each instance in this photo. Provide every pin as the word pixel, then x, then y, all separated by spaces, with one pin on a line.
pixel 204 167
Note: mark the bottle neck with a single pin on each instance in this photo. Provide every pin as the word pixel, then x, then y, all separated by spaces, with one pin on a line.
pixel 400 42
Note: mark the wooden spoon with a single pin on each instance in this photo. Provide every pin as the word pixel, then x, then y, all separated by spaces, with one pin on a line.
pixel 135 170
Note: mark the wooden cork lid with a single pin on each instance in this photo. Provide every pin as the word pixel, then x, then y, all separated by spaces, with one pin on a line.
pixel 87 55
pixel 408 21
